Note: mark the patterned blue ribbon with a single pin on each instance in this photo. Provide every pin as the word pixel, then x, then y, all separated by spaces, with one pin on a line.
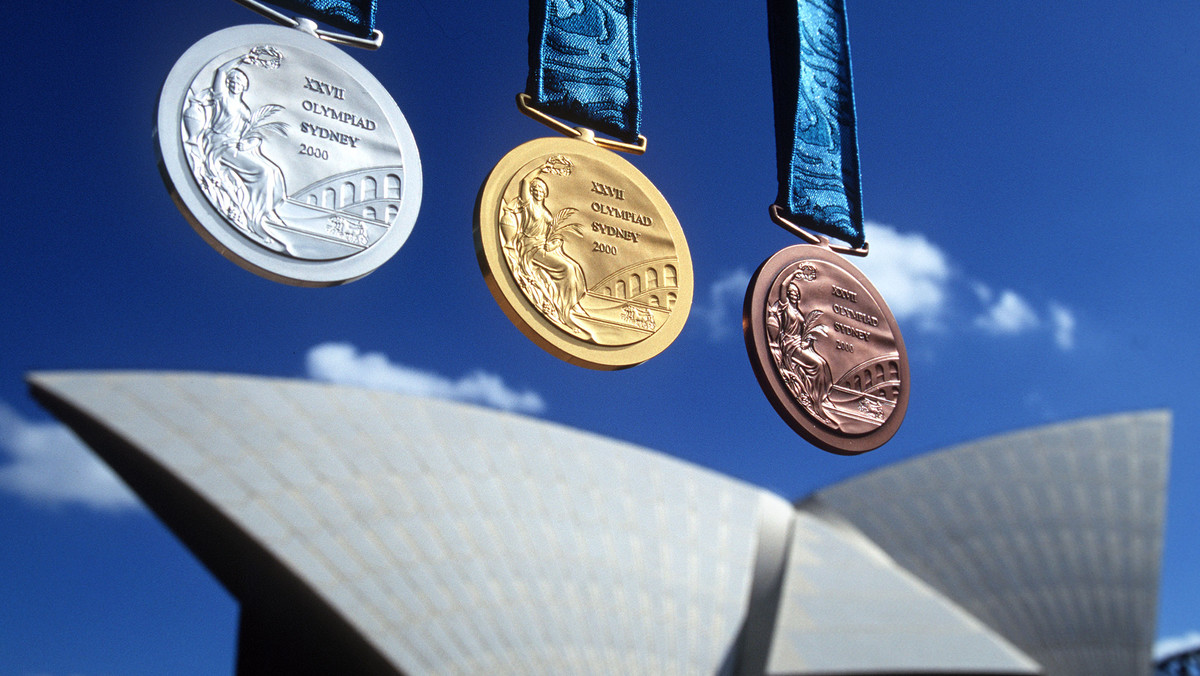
pixel 816 146
pixel 356 16
pixel 583 63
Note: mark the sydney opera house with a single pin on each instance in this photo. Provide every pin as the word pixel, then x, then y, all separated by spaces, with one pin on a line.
pixel 366 532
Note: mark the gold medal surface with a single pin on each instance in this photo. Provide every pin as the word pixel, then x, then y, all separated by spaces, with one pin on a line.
pixel 826 350
pixel 583 253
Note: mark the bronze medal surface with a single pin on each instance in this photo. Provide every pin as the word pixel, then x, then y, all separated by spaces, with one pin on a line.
pixel 826 350
pixel 583 253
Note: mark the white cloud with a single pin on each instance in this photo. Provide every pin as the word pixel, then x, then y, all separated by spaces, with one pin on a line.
pixel 912 274
pixel 1062 323
pixel 910 271
pixel 923 289
pixel 723 311
pixel 49 465
pixel 342 363
pixel 1173 645
pixel 918 281
pixel 1008 315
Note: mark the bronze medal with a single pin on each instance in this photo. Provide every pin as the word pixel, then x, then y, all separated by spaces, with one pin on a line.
pixel 583 253
pixel 824 346
pixel 826 350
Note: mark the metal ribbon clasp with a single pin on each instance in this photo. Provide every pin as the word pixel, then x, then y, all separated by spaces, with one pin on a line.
pixel 581 133
pixel 309 26
pixel 819 240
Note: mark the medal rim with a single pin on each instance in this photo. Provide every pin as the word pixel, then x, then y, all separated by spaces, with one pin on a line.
pixel 517 307
pixel 212 226
pixel 776 391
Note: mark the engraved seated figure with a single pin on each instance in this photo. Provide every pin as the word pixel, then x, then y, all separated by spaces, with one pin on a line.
pixel 224 139
pixel 549 276
pixel 793 346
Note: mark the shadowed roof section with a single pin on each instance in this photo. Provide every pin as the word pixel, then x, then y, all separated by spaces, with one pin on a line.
pixel 1051 536
pixel 848 608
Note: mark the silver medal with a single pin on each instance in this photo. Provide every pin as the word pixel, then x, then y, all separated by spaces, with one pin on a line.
pixel 287 156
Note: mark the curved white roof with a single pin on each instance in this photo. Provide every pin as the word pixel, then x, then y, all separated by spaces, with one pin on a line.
pixel 372 532
pixel 449 538
pixel 1051 536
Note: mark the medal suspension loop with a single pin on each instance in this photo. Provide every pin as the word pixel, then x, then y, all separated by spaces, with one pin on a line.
pixel 357 16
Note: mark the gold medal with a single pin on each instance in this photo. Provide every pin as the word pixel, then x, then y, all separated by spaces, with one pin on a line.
pixel 583 253
pixel 579 249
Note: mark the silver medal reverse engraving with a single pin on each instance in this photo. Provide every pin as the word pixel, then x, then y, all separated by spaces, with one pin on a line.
pixel 287 156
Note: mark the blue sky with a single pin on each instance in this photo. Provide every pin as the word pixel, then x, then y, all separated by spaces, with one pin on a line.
pixel 1030 181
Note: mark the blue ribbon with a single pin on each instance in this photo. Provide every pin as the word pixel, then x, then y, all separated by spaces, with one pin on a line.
pixel 816 146
pixel 356 16
pixel 583 63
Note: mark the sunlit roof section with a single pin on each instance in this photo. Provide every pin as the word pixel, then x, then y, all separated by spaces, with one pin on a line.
pixel 443 537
